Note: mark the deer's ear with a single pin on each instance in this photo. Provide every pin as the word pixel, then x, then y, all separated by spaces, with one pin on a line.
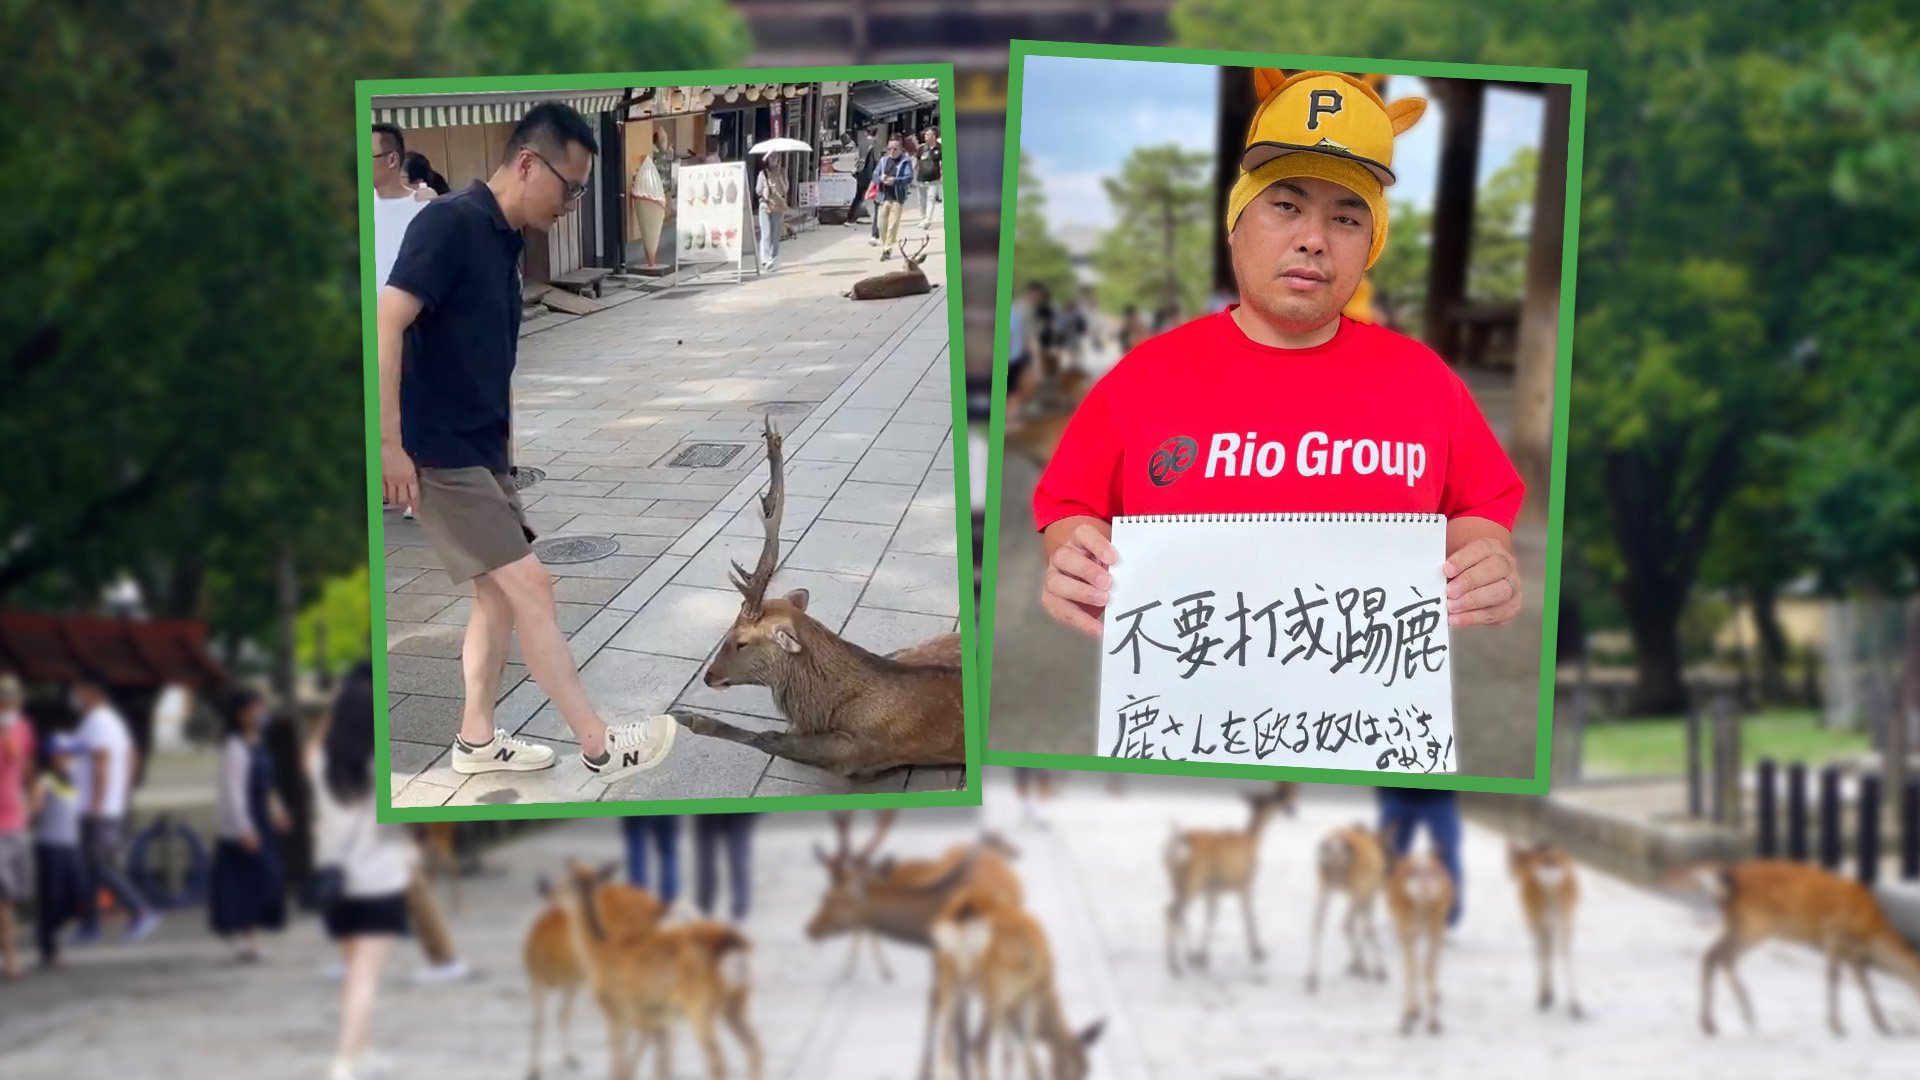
pixel 606 873
pixel 798 598
pixel 784 637
pixel 544 886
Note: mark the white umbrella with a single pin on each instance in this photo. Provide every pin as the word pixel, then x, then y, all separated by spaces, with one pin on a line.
pixel 780 146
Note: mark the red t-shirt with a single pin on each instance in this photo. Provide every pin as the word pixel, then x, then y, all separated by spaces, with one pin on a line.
pixel 1204 420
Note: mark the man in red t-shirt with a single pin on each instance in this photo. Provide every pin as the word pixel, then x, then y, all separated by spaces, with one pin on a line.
pixel 1281 403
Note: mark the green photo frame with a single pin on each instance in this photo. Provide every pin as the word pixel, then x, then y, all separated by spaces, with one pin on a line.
pixel 365 91
pixel 1576 81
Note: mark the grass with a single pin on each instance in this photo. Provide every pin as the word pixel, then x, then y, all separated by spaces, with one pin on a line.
pixel 1656 746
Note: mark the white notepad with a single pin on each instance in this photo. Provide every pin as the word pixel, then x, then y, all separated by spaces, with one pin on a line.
pixel 1316 640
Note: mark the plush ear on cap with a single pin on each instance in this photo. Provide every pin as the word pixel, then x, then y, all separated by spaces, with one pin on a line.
pixel 1266 81
pixel 1406 112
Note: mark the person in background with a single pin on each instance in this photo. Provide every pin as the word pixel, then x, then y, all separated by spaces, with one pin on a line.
pixel 895 177
pixel 374 863
pixel 396 199
pixel 663 830
pixel 16 773
pixel 735 833
pixel 926 170
pixel 421 173
pixel 1402 810
pixel 1046 333
pixel 59 872
pixel 770 195
pixel 248 890
pixel 106 762
pixel 864 158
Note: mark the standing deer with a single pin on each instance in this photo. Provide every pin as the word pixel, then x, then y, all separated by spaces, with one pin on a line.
pixel 848 710
pixel 892 285
pixel 645 975
pixel 1210 862
pixel 1549 892
pixel 1353 861
pixel 553 962
pixel 1419 895
pixel 1768 898
pixel 988 950
pixel 901 899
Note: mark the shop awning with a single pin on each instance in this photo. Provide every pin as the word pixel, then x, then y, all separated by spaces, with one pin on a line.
pixel 880 100
pixel 129 654
pixel 455 110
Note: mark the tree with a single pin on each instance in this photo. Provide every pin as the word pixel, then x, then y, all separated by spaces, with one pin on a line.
pixel 1158 253
pixel 1500 226
pixel 1400 276
pixel 1707 207
pixel 180 310
pixel 1037 255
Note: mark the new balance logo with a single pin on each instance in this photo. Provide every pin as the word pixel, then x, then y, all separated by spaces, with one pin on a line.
pixel 503 754
pixel 631 757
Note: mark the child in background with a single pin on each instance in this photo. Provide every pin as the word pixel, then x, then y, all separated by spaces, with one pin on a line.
pixel 58 876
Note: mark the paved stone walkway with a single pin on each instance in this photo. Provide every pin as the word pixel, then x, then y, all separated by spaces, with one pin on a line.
pixel 173 1007
pixel 863 393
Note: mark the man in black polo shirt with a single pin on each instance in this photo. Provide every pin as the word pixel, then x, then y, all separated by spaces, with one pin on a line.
pixel 449 323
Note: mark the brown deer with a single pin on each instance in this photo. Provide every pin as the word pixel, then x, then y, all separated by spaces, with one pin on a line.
pixel 1768 898
pixel 1549 892
pixel 897 283
pixel 1353 861
pixel 848 710
pixel 1205 862
pixel 901 899
pixel 553 963
pixel 988 950
pixel 1419 895
pixel 645 975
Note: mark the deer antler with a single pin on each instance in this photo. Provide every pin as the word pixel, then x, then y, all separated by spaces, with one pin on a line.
pixel 879 834
pixel 772 504
pixel 842 824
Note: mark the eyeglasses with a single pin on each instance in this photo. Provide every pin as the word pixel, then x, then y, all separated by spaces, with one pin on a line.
pixel 575 192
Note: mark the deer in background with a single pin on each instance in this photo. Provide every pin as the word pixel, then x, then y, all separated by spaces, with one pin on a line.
pixel 891 286
pixel 990 951
pixel 553 962
pixel 1419 895
pixel 848 710
pixel 1549 892
pixel 645 975
pixel 1353 861
pixel 1207 863
pixel 900 899
pixel 1769 898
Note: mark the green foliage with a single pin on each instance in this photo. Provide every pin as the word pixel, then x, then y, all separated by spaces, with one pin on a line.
pixel 1037 256
pixel 180 306
pixel 1159 251
pixel 1400 275
pixel 1502 209
pixel 1658 746
pixel 344 608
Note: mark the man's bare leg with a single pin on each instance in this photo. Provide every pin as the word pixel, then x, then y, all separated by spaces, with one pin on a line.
pixel 484 657
pixel 528 590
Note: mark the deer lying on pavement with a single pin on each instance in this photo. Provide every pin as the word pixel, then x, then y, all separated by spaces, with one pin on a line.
pixel 645 975
pixel 990 951
pixel 900 899
pixel 891 286
pixel 1353 861
pixel 1549 893
pixel 1767 898
pixel 848 710
pixel 1205 862
pixel 1419 895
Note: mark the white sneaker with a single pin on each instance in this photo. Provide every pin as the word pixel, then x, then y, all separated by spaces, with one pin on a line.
pixel 502 753
pixel 434 974
pixel 635 747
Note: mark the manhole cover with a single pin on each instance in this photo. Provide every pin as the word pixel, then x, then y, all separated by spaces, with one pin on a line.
pixel 781 408
pixel 525 476
pixel 705 455
pixel 575 549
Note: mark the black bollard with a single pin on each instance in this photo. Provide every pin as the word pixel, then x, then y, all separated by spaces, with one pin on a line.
pixel 1830 818
pixel 1868 846
pixel 1797 812
pixel 1766 807
pixel 1910 833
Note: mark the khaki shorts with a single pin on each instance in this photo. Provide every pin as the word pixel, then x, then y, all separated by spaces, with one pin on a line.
pixel 473 519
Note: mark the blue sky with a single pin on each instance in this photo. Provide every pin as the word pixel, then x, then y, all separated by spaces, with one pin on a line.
pixel 1081 118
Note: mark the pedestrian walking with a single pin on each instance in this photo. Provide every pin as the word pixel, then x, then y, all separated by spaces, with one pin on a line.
pixel 713 835
pixel 59 871
pixel 663 832
pixel 770 194
pixel 894 178
pixel 364 868
pixel 926 171
pixel 397 199
pixel 421 173
pixel 866 155
pixel 248 885
pixel 448 321
pixel 105 762
pixel 16 776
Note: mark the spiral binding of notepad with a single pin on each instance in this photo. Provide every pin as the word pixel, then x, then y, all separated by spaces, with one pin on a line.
pixel 1346 518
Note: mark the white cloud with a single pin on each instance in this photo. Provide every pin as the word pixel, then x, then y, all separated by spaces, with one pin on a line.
pixel 1076 198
